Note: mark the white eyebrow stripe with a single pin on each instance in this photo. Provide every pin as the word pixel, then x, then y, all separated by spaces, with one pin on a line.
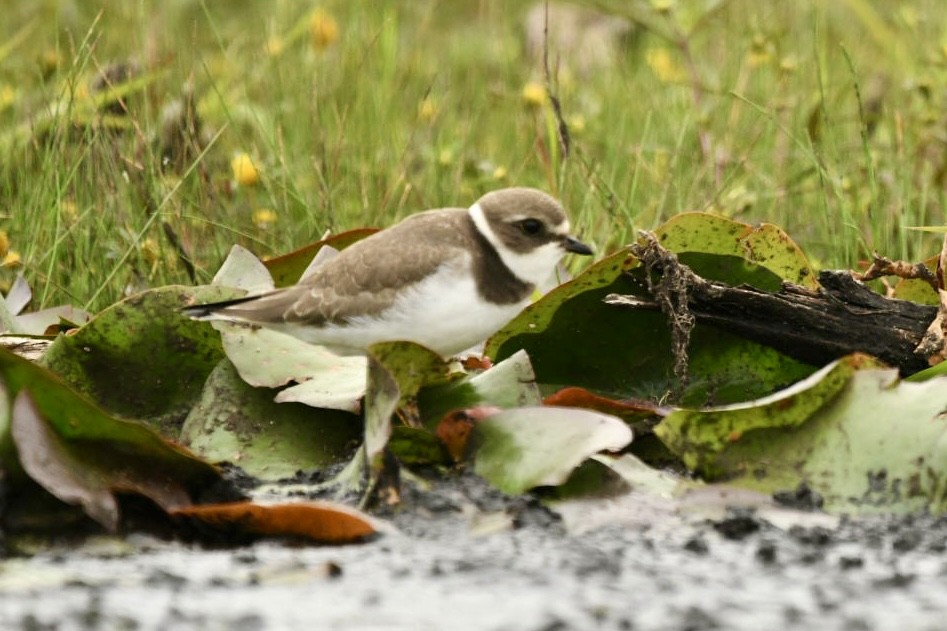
pixel 480 222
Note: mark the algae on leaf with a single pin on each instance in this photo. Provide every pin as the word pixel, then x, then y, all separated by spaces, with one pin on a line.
pixel 854 433
pixel 142 358
pixel 734 252
pixel 236 422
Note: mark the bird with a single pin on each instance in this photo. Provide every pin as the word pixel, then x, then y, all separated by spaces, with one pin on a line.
pixel 446 278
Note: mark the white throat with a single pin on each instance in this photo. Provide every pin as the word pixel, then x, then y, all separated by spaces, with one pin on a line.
pixel 537 266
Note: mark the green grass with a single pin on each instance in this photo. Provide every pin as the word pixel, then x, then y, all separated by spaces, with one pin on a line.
pixel 826 118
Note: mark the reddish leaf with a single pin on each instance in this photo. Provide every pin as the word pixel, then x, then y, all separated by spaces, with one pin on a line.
pixel 454 429
pixel 89 472
pixel 323 522
pixel 626 409
pixel 287 269
pixel 474 363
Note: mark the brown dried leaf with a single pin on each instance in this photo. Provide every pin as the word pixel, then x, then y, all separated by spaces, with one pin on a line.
pixel 627 409
pixel 323 522
pixel 454 429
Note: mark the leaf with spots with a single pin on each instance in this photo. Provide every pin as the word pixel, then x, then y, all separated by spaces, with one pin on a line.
pixel 142 358
pixel 855 434
pixel 735 252
pixel 236 422
pixel 574 339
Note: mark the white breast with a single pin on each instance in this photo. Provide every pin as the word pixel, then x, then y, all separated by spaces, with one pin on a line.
pixel 443 312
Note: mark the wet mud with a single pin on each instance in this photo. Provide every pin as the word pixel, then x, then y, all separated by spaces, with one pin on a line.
pixel 463 556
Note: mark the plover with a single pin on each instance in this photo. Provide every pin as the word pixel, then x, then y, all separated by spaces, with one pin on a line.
pixel 446 278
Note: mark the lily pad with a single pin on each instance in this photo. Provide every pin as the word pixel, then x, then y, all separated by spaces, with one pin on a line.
pixel 236 422
pixel 537 446
pixel 858 436
pixel 271 359
pixel 509 384
pixel 396 372
pixel 82 455
pixel 414 446
pixel 574 339
pixel 141 358
pixel 13 320
pixel 738 249
pixel 699 436
pixel 243 270
pixel 288 268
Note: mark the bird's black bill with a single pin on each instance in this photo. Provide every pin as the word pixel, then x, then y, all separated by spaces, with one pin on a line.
pixel 575 246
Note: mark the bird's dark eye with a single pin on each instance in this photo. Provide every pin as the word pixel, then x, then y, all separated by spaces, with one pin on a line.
pixel 531 226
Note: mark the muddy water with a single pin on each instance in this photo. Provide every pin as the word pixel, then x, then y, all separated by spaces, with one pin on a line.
pixel 466 558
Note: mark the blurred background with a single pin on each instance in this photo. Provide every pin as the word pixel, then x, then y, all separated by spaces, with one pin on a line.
pixel 140 140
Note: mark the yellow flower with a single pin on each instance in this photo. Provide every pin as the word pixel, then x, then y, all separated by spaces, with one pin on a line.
pixel 323 29
pixel 760 51
pixel 534 94
pixel 446 157
pixel 49 61
pixel 4 242
pixel 150 251
pixel 244 171
pixel 789 63
pixel 427 110
pixel 662 6
pixel 264 217
pixel 663 66
pixel 8 96
pixel 12 259
pixel 69 211
pixel 274 46
pixel 499 173
pixel 576 124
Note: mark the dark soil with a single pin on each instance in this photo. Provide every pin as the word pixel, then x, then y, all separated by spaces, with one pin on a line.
pixel 466 557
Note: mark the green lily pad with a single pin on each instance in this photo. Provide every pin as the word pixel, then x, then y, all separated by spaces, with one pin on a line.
pixel 699 436
pixel 509 384
pixel 14 320
pixel 524 448
pixel 937 370
pixel 736 245
pixel 396 372
pixel 236 422
pixel 414 446
pixel 80 453
pixel 917 290
pixel 141 358
pixel 574 339
pixel 858 436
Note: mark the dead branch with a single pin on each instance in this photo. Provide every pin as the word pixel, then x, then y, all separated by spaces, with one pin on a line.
pixel 815 326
